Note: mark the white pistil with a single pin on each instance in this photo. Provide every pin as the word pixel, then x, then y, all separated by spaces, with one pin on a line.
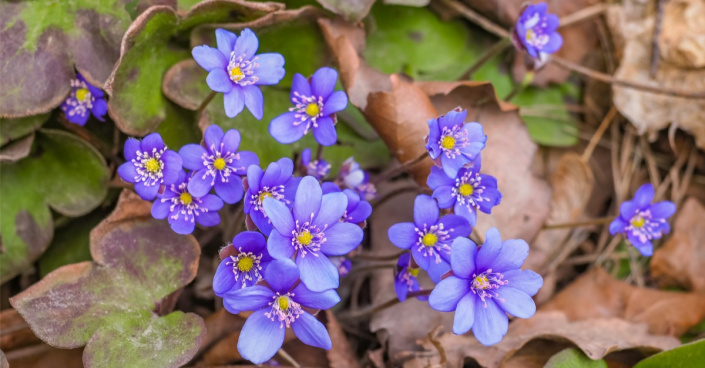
pixel 301 103
pixel 459 137
pixel 308 243
pixel 475 182
pixel 441 236
pixel 189 211
pixel 209 159
pixel 253 274
pixel 241 71
pixel 149 177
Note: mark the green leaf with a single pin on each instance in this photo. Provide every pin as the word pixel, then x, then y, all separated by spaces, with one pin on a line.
pixel 179 127
pixel 14 128
pixel 138 261
pixel 684 356
pixel 63 172
pixel 573 358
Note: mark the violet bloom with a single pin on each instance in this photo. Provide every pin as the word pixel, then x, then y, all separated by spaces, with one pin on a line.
pixel 184 209
pixel 219 164
pixel 536 31
pixel 276 182
pixel 353 177
pixel 319 168
pixel 485 285
pixel 452 143
pixel 235 70
pixel 344 265
pixel 315 105
pixel 468 192
pixel 311 231
pixel 276 307
pixel 429 237
pixel 405 281
pixel 642 221
pixel 357 210
pixel 149 165
pixel 85 99
pixel 245 264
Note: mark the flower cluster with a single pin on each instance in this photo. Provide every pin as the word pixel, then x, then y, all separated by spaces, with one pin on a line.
pixel 85 99
pixel 535 32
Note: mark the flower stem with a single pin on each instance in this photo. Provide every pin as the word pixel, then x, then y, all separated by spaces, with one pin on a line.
pixel 495 50
pixel 319 152
pixel 369 257
pixel 282 353
pixel 597 221
pixel 366 312
pixel 528 78
pixel 399 169
pixel 205 103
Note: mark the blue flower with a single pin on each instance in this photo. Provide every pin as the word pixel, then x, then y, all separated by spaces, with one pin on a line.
pixel 319 168
pixel 149 165
pixel 467 193
pixel 311 231
pixel 353 177
pixel 536 31
pixel 452 143
pixel 642 221
pixel 84 100
pixel 485 285
pixel 235 70
pixel 357 211
pixel 276 182
pixel 405 281
pixel 429 237
pixel 184 209
pixel 246 258
pixel 344 265
pixel 315 105
pixel 219 164
pixel 277 307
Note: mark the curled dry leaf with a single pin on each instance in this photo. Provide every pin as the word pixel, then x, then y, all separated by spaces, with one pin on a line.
pixel 107 305
pixel 596 294
pixel 351 10
pixel 596 338
pixel 17 150
pixel 341 355
pixel 681 261
pixel 633 26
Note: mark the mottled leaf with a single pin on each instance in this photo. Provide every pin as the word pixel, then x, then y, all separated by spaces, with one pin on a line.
pixel 14 128
pixel 62 172
pixel 17 150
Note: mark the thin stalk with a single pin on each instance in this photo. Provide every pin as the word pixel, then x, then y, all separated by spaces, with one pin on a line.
pixel 495 50
pixel 597 221
pixel 528 78
pixel 399 169
pixel 282 353
pixel 366 312
pixel 205 103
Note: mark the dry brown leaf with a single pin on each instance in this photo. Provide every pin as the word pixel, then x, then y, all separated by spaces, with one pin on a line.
pixel 597 338
pixel 45 356
pixel 681 260
pixel 15 332
pixel 341 355
pixel 596 294
pixel 682 28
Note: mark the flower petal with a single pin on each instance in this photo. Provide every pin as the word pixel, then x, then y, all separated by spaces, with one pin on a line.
pixel 224 279
pixel 318 273
pixel 172 166
pixel 525 280
pixel 132 145
pixel 213 137
pixel 617 226
pixel 230 141
pixel 337 101
pixel 315 300
pixel 254 177
pixel 323 82
pixel 260 338
pixel 489 250
pixel 462 257
pixel 516 302
pixel 643 196
pixel 146 192
pixel 152 142
pixel 308 199
pixel 437 268
pixel 225 41
pixel 160 209
pixel 325 133
pixel 249 241
pixel 200 183
pixel 438 177
pixel 249 298
pixel 209 58
pixel 192 156
pixel 490 322
pixel 333 207
pixel 663 209
pixel 254 100
pixel 446 295
pixel 270 70
pixel 300 86
pixel 246 45
pixel 208 219
pixel 234 102
pixel 464 314
pixel 230 191
pixel 444 195
pixel 280 215
pixel 281 275
pixel 403 235
pixel 219 81
pixel 278 246
pixel 181 225
pixel 269 179
pixel 425 211
pixel 311 332
pixel 283 129
pixel 128 172
pixel 341 239
pixel 511 256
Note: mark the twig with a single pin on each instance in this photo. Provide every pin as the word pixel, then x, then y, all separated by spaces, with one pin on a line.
pixel 319 152
pixel 654 38
pixel 433 338
pixel 282 353
pixel 635 267
pixel 598 134
pixel 582 14
pixel 650 162
pixel 399 169
pixel 370 257
pixel 477 18
pixel 493 51
pixel 387 196
pixel 365 312
pixel 597 221
pixel 519 87
pixel 205 103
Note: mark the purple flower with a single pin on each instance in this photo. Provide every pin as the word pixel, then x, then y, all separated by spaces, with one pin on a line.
pixel 357 210
pixel 344 265
pixel 353 177
pixel 244 264
pixel 277 307
pixel 276 182
pixel 84 100
pixel 311 231
pixel 219 164
pixel 149 165
pixel 485 285
pixel 184 209
pixel 405 281
pixel 642 221
pixel 536 31
pixel 467 193
pixel 429 237
pixel 315 105
pixel 319 168
pixel 235 70
pixel 453 142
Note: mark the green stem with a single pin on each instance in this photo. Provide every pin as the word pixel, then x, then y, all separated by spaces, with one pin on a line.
pixel 495 50
pixel 205 103
pixel 528 78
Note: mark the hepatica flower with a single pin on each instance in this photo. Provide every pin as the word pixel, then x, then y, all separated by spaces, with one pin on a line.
pixel 641 221
pixel 276 182
pixel 536 31
pixel 357 210
pixel 485 285
pixel 277 307
pixel 468 192
pixel 452 143
pixel 315 104
pixel 429 237
pixel 344 265
pixel 318 168
pixel 235 70
pixel 85 99
pixel 311 231
pixel 183 209
pixel 405 281
pixel 149 165
pixel 353 177
pixel 244 265
pixel 218 165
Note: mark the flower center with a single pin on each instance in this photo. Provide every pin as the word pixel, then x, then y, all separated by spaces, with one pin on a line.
pixel 465 190
pixel 236 74
pixel 485 283
pixel 429 240
pixel 241 71
pixel 283 302
pixel 82 94
pixel 304 238
pixel 264 195
pixel 186 198
pixel 414 272
pixel 481 282
pixel 152 165
pixel 219 163
pixel 638 222
pixel 448 142
pixel 530 35
pixel 245 264
pixel 312 109
pixel 284 309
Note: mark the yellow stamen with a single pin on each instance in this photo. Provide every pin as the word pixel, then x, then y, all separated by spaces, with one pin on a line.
pixel 312 109
pixel 283 302
pixel 236 74
pixel 264 195
pixel 481 282
pixel 465 190
pixel 245 264
pixel 219 164
pixel 448 142
pixel 152 165
pixel 429 239
pixel 638 222
pixel 414 272
pixel 186 198
pixel 530 35
pixel 304 238
pixel 82 94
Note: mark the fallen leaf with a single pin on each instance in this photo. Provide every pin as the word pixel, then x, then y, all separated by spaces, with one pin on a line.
pixel 633 25
pixel 17 149
pixel 107 305
pixel 681 260
pixel 351 10
pixel 595 294
pixel 341 355
pixel 11 129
